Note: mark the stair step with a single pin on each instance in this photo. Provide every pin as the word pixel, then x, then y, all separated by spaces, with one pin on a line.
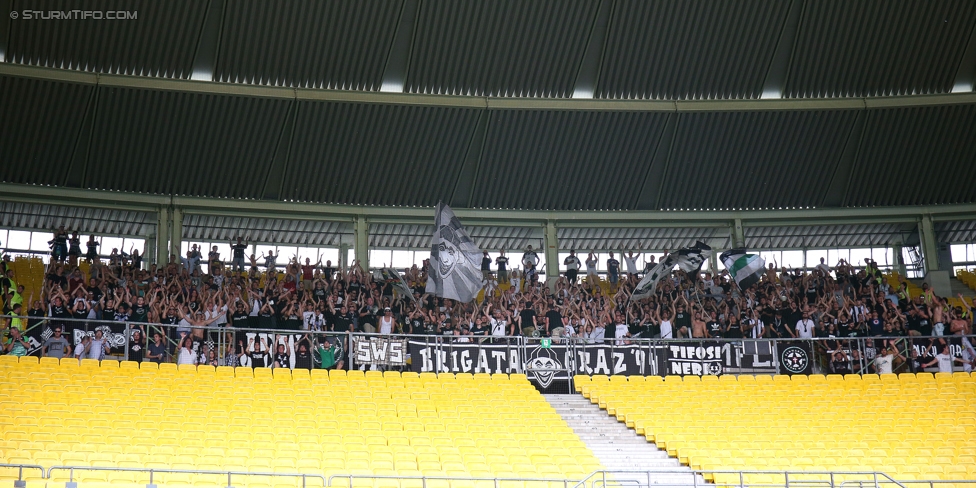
pixel 621 451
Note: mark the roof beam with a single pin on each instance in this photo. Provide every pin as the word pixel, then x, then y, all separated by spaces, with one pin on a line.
pixel 78 166
pixel 650 191
pixel 205 58
pixel 588 74
pixel 412 99
pixel 966 74
pixel 468 175
pixel 840 182
pixel 5 7
pixel 398 61
pixel 275 180
pixel 423 215
pixel 779 66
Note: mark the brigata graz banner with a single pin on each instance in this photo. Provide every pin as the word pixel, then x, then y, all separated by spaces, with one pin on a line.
pixel 544 365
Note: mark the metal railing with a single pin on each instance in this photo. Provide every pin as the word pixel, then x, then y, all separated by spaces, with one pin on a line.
pixel 304 477
pixel 650 355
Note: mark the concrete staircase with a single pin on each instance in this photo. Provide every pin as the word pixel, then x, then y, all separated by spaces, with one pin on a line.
pixel 620 449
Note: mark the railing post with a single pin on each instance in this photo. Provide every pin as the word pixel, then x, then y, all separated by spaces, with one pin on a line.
pixel 128 333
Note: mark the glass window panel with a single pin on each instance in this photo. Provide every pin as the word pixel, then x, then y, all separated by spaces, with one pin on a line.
pixel 3 238
pixel 883 256
pixel 402 259
pixel 858 256
pixel 19 239
pixel 379 257
pixel 329 254
pixel 38 241
pixel 109 243
pixel 285 254
pixel 261 250
pixel 814 256
pixel 792 259
pixel 959 253
pixel 129 243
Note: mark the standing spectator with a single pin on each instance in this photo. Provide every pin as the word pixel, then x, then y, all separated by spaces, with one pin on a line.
pixel 137 346
pixel 56 346
pixel 17 344
pixel 805 327
pixel 573 265
pixel 74 249
pixel 884 361
pixel 613 271
pixel 591 274
pixel 943 359
pixel 502 262
pixel 98 347
pixel 631 261
pixel 157 349
pixel 269 262
pixel 92 255
pixel 238 253
pixel 529 262
pixel 486 267
pixel 186 354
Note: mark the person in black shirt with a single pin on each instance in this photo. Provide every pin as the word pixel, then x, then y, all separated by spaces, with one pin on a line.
pixel 713 327
pixel 137 346
pixel 92 255
pixel 682 319
pixel 502 263
pixel 573 266
pixel 553 320
pixel 303 358
pixel 238 252
pixel 486 267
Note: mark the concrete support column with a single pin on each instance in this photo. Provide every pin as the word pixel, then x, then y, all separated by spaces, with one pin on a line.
pixel 162 236
pixel 738 237
pixel 899 260
pixel 361 243
pixel 929 244
pixel 176 232
pixel 551 251
pixel 343 257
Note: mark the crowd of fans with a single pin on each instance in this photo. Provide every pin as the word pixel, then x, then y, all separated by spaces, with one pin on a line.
pixel 860 316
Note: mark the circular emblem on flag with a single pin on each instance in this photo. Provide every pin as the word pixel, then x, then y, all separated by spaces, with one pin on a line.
pixel 795 359
pixel 715 369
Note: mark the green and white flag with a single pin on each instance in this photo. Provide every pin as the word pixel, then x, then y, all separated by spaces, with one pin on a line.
pixel 745 269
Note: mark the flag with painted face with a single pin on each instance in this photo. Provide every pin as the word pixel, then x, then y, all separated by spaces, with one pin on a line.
pixel 745 269
pixel 455 261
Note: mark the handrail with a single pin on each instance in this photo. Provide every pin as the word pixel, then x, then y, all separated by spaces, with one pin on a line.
pixel 22 467
pixel 874 475
pixel 152 471
pixel 423 479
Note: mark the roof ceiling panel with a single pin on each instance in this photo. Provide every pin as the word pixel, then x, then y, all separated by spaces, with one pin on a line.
pixel 39 126
pixel 485 237
pixel 374 154
pixel 159 42
pixel 502 48
pixel 47 218
pixel 690 49
pixel 879 47
pixel 916 156
pixel 644 238
pixel 761 160
pixel 829 236
pixel 956 232
pixel 566 160
pixel 183 143
pixel 219 228
pixel 337 45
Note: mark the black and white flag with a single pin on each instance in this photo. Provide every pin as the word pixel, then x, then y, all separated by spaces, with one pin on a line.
pixel 691 259
pixel 455 261
pixel 688 259
pixel 745 269
pixel 390 275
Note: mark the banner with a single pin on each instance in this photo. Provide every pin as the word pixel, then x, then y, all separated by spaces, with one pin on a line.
pixel 795 357
pixel 379 351
pixel 455 261
pixel 705 358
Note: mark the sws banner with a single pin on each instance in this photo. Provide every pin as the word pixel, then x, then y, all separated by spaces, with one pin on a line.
pixel 795 357
pixel 379 351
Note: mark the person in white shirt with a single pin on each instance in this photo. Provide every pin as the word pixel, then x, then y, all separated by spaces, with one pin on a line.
pixel 631 262
pixel 98 347
pixel 968 355
pixel 944 360
pixel 883 362
pixel 591 263
pixel 822 268
pixel 805 327
pixel 386 321
pixel 572 263
pixel 186 354
pixel 497 323
pixel 667 332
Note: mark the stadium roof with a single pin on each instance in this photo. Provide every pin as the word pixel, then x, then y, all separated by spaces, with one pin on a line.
pixel 873 103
